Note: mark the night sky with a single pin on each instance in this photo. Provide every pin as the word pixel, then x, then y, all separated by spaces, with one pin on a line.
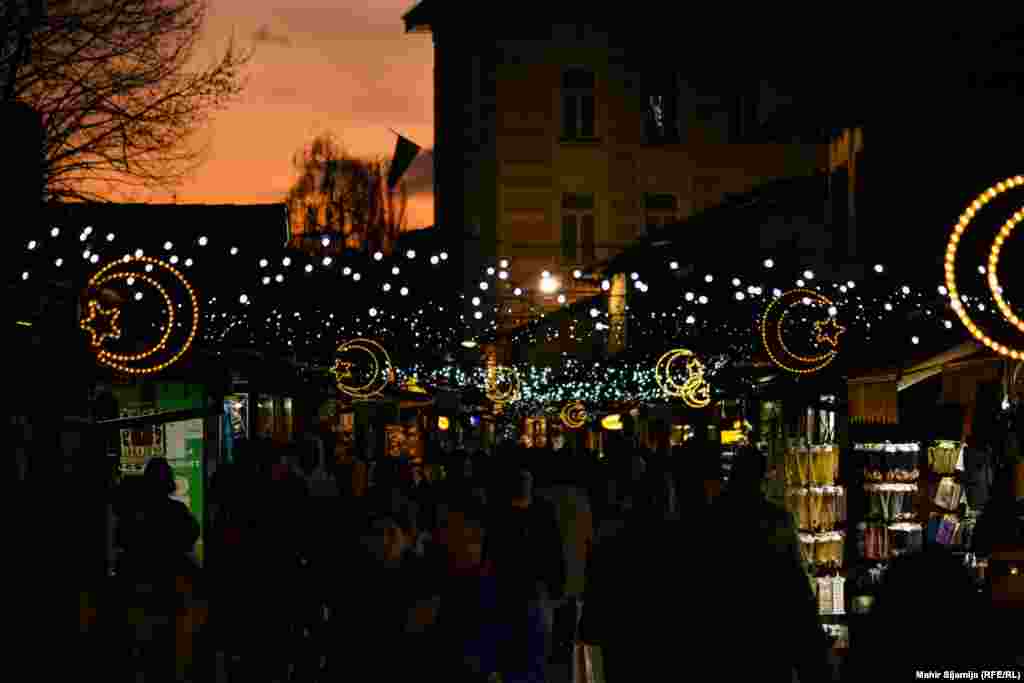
pixel 344 66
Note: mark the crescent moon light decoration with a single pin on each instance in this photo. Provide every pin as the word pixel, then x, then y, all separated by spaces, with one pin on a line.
pixel 378 372
pixel 574 415
pixel 104 323
pixel 694 388
pixel 826 332
pixel 502 384
pixel 993 266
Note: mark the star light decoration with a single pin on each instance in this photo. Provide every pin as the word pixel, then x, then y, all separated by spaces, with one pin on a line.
pixel 342 370
pixel 828 331
pixel 101 323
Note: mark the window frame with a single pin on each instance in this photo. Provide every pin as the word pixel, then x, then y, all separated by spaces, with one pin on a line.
pixel 663 216
pixel 577 94
pixel 585 246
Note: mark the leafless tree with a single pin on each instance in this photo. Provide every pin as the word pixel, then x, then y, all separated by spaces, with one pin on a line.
pixel 340 195
pixel 117 85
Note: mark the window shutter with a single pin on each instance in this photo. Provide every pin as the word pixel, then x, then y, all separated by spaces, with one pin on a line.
pixel 569 116
pixel 569 238
pixel 586 116
pixel 589 250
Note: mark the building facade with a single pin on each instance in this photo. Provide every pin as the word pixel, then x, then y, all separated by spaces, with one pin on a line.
pixel 557 145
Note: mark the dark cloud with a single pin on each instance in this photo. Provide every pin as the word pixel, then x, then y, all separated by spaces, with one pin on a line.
pixel 264 35
pixel 420 176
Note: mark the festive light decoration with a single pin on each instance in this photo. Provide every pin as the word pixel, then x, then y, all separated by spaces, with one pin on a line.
pixel 828 331
pixel 96 314
pixel 956 301
pixel 612 423
pixel 160 355
pixel 425 322
pixel 503 384
pixel 443 423
pixel 574 415
pixel 771 332
pixel 694 389
pixel 378 373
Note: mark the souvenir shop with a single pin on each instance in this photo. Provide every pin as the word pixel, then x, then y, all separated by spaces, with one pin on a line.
pixel 926 441
pixel 799 425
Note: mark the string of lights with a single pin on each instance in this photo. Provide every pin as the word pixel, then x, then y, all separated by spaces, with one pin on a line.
pixel 303 305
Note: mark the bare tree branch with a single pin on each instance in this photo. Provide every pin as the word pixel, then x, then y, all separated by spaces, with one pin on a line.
pixel 335 193
pixel 121 96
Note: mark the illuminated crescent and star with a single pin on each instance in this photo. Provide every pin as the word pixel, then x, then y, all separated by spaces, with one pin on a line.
pixel 574 415
pixel 825 332
pixel 694 390
pixel 380 370
pixel 103 324
pixel 502 384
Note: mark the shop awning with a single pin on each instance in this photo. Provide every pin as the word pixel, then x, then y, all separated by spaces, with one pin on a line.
pixel 917 370
pixel 933 366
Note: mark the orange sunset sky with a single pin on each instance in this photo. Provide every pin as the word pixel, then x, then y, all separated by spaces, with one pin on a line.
pixel 344 66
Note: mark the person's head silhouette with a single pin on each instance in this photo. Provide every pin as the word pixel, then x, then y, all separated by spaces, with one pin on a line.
pixel 159 477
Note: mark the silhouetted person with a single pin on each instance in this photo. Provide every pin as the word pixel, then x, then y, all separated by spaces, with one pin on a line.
pixel 155 572
pixel 155 528
pixel 566 490
pixel 758 573
pixel 471 624
pixel 527 551
pixel 928 589
pixel 634 572
pixel 385 626
pixel 999 539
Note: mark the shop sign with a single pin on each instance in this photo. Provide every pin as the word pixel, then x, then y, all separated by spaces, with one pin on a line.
pixel 141 444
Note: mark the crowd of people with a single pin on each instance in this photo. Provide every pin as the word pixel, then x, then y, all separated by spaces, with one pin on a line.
pixel 497 571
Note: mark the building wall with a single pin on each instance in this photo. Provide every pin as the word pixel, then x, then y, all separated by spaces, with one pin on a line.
pixel 502 170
